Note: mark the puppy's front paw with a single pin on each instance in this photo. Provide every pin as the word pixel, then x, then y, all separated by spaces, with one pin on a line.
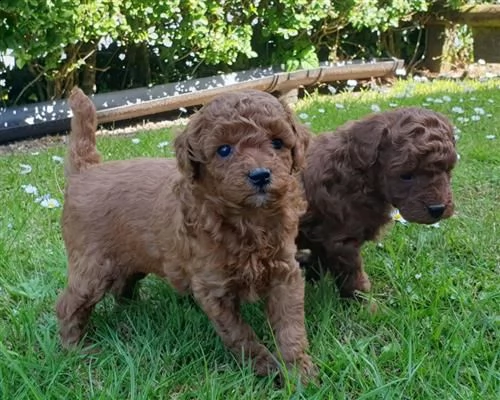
pixel 265 363
pixel 362 283
pixel 308 371
pixel 353 284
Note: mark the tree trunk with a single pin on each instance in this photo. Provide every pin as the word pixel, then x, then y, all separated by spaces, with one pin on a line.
pixel 434 42
pixel 88 51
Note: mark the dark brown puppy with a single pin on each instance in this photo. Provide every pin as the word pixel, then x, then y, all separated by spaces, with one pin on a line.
pixel 354 176
pixel 219 223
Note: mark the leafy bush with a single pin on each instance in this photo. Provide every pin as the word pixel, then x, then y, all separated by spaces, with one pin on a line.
pixel 127 43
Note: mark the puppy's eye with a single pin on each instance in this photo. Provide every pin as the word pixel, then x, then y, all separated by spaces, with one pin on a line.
pixel 277 143
pixel 224 150
pixel 406 177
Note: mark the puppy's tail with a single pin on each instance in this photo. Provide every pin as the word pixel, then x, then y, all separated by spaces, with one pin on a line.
pixel 82 152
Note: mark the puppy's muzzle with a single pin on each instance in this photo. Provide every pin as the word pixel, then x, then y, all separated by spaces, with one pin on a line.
pixel 436 210
pixel 259 177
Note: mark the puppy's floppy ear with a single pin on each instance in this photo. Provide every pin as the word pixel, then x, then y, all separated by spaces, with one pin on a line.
pixel 303 139
pixel 364 140
pixel 186 146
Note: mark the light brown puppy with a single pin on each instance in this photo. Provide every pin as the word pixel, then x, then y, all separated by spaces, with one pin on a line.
pixel 355 175
pixel 220 224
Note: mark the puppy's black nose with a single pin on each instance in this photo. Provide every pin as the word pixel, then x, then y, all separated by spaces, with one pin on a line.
pixel 436 210
pixel 260 177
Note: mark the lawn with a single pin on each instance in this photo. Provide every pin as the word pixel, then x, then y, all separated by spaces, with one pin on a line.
pixel 435 335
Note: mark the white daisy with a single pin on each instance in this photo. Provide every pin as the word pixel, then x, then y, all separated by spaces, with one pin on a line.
pixel 50 203
pixel 58 159
pixel 30 189
pixel 396 216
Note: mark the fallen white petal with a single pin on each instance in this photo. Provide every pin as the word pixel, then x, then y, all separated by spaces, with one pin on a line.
pixel 25 169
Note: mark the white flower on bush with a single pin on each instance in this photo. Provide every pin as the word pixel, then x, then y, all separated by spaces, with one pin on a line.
pixel 7 59
pixel 458 110
pixel 375 108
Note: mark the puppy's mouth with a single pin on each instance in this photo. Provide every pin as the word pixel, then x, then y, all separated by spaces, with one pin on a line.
pixel 259 198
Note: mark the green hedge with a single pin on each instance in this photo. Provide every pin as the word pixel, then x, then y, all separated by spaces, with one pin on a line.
pixel 127 43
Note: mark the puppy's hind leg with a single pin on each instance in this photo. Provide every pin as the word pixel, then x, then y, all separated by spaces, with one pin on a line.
pixel 74 306
pixel 345 262
pixel 126 288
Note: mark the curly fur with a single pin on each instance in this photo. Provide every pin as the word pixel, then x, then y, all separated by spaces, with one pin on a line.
pixel 354 176
pixel 199 224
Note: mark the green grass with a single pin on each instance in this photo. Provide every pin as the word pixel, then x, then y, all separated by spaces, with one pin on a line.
pixel 436 335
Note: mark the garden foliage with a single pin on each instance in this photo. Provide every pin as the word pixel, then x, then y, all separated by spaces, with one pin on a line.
pixel 49 45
